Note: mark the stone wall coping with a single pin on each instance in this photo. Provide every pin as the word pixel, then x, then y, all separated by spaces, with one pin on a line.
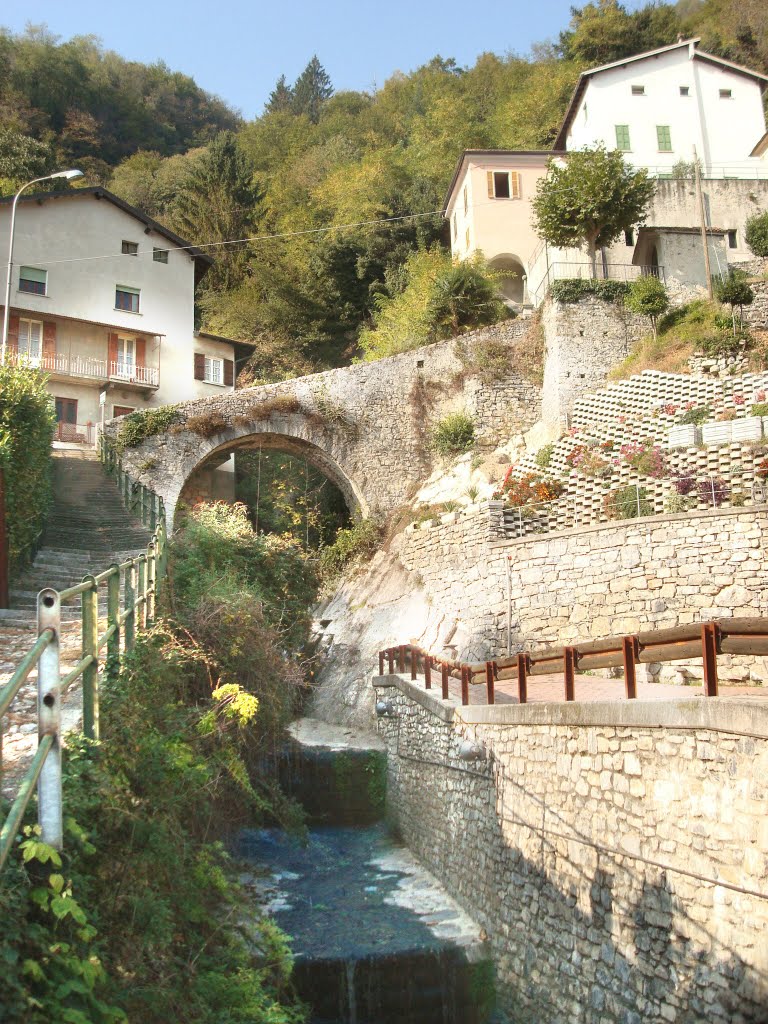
pixel 623 524
pixel 738 716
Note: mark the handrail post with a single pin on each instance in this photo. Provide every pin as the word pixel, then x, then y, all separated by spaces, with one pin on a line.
pixel 569 672
pixel 129 603
pixel 465 676
pixel 49 808
pixel 381 663
pixel 113 620
pixel 152 511
pixel 89 603
pixel 444 679
pixel 710 641
pixel 141 600
pixel 414 660
pixel 151 582
pixel 401 658
pixel 630 647
pixel 427 671
pixel 523 664
pixel 490 667
pixel 391 660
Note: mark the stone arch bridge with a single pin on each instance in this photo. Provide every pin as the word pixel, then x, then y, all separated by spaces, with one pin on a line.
pixel 366 426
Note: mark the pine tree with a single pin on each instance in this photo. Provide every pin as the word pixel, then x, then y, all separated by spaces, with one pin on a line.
pixel 312 88
pixel 280 99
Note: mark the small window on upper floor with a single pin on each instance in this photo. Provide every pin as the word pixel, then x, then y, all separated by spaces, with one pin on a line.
pixel 160 255
pixel 638 90
pixel 127 298
pixel 466 201
pixel 455 227
pixel 466 239
pixel 726 94
pixel 503 184
pixel 622 138
pixel 33 280
pixel 685 90
pixel 732 240
pixel 585 111
pixel 130 248
pixel 629 237
pixel 664 138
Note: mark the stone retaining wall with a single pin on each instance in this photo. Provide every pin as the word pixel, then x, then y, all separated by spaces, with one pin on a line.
pixel 614 855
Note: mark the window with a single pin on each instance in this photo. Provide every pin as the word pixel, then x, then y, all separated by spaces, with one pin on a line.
pixel 466 201
pixel 122 410
pixel 638 90
pixel 585 111
pixel 127 298
pixel 503 184
pixel 130 248
pixel 32 280
pixel 732 241
pixel 685 90
pixel 160 255
pixel 30 339
pixel 725 94
pixel 455 227
pixel 622 137
pixel 664 138
pixel 629 237
pixel 214 370
pixel 466 239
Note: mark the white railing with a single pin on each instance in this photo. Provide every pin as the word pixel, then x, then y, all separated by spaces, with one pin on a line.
pixel 560 271
pixel 129 373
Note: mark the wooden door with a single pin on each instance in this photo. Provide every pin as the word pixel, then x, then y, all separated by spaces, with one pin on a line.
pixel 66 418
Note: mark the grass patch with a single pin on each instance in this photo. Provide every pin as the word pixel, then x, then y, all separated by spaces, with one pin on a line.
pixel 683 331
pixel 453 434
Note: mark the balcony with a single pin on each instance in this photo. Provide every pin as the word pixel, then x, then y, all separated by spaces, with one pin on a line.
pixel 91 368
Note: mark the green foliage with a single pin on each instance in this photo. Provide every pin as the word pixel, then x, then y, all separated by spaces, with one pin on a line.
pixel 137 426
pixel 432 299
pixel 604 31
pixel 22 158
pixel 759 409
pixel 573 289
pixel 591 200
pixel 26 428
pixel 453 434
pixel 310 91
pixel 627 503
pixel 697 415
pixel 544 455
pixel 735 290
pixel 490 359
pixel 757 234
pixel 351 547
pixel 647 296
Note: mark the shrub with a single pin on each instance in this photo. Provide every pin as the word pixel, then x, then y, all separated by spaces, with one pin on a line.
pixel 453 434
pixel 759 409
pixel 351 546
pixel 713 492
pixel 627 503
pixel 280 404
pixel 647 296
pixel 137 426
pixel 757 234
pixel 26 427
pixel 734 289
pixel 675 503
pixel 544 455
pixel 490 359
pixel 645 457
pixel 208 424
pixel 696 414
pixel 684 484
pixel 576 288
pixel 529 489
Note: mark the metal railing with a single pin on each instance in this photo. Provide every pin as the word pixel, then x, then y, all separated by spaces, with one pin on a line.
pixel 747 636
pixel 89 366
pixel 560 270
pixel 139 499
pixel 138 579
pixel 128 373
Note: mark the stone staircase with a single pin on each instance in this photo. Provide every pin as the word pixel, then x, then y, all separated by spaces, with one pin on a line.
pixel 88 529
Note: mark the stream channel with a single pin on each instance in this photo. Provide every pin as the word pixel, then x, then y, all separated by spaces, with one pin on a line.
pixel 376 939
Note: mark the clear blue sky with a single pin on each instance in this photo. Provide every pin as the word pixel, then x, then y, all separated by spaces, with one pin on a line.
pixel 238 48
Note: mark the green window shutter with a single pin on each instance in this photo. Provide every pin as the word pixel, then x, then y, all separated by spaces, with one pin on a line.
pixel 622 137
pixel 664 137
pixel 32 274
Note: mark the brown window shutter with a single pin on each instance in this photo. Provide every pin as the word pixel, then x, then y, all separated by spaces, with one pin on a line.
pixel 141 351
pixel 199 366
pixel 514 184
pixel 49 343
pixel 111 354
pixel 13 333
pixel 229 372
pixel 491 190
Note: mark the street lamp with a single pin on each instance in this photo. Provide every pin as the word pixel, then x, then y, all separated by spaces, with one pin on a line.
pixel 69 175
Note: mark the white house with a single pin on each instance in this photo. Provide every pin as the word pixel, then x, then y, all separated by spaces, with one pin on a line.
pixel 660 106
pixel 102 297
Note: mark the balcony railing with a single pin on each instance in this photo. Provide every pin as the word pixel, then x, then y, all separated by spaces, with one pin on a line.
pixel 559 271
pixel 91 368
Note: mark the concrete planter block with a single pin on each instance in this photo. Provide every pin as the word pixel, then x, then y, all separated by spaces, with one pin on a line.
pixel 685 435
pixel 748 429
pixel 717 433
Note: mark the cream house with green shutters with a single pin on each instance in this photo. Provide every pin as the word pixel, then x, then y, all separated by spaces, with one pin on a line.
pixel 102 298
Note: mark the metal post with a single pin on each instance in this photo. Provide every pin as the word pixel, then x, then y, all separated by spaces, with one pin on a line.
pixel 427 671
pixel 637 499
pixel 703 224
pixel 401 658
pixel 414 661
pixel 141 601
pixel 113 619
pixel 465 684
pixel 569 672
pixel 129 604
pixel 712 486
pixel 630 647
pixel 523 663
pixel 391 660
pixel 710 641
pixel 489 681
pixel 151 582
pixel 90 641
pixel 381 663
pixel 444 679
pixel 49 721
pixel 5 597
pixel 152 511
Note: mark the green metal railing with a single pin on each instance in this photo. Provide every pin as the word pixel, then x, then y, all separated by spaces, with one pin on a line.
pixel 138 579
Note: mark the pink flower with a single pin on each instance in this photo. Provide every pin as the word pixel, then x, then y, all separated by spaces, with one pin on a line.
pixel 622 419
pixel 738 399
pixel 689 405
pixel 760 396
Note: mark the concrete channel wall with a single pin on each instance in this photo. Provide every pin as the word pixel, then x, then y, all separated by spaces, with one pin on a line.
pixel 616 855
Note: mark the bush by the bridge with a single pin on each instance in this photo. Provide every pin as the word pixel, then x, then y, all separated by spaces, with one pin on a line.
pixel 27 421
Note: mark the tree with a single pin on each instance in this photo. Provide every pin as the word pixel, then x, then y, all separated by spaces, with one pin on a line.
pixel 280 99
pixel 757 234
pixel 591 200
pixel 604 31
pixel 313 87
pixel 648 297
pixel 734 289
pixel 21 159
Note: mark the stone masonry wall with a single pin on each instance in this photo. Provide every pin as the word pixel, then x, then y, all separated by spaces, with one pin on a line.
pixel 616 856
pixel 595 581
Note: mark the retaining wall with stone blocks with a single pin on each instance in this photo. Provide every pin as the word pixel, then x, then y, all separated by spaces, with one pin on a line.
pixel 595 581
pixel 616 855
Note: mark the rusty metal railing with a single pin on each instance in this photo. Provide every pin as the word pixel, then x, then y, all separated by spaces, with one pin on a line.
pixel 741 636
pixel 139 579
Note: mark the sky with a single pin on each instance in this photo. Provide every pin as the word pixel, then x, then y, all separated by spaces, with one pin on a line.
pixel 237 49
